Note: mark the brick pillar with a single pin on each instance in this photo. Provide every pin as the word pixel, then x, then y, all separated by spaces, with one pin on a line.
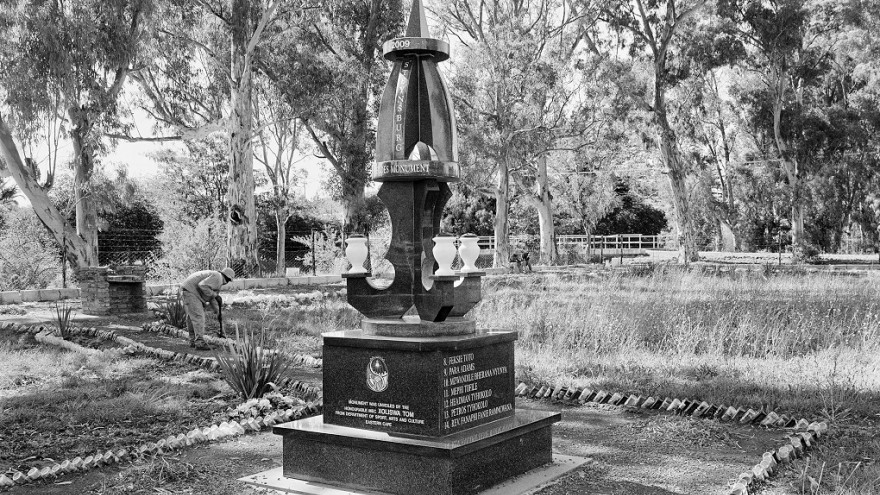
pixel 94 290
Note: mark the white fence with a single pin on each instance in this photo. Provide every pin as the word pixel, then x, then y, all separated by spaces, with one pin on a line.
pixel 627 244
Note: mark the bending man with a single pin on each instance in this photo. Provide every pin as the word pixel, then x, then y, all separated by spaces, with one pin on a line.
pixel 198 291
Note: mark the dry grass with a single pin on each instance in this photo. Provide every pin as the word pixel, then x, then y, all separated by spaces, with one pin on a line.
pixel 58 404
pixel 23 362
pixel 804 344
pixel 294 321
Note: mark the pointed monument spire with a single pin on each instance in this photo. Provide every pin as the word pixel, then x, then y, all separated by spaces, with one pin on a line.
pixel 418 23
pixel 417 40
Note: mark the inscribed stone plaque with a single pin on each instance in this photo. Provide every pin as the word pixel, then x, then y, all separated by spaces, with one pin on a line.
pixel 421 392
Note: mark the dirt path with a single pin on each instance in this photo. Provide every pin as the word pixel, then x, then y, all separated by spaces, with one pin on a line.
pixel 641 453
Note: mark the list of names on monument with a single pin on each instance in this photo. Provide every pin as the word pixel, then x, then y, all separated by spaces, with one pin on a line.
pixel 468 392
pixel 379 413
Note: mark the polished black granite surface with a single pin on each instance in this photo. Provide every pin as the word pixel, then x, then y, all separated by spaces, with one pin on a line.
pixel 452 445
pixel 428 391
pixel 461 463
pixel 357 338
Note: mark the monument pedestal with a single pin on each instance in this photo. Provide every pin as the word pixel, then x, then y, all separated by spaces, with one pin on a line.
pixel 461 463
pixel 426 415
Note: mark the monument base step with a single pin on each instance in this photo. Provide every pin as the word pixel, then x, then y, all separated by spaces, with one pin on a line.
pixel 365 461
pixel 528 482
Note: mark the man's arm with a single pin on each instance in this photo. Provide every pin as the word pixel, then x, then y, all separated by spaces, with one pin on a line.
pixel 210 286
pixel 215 304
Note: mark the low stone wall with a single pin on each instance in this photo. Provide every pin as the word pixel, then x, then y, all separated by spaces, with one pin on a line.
pixel 42 295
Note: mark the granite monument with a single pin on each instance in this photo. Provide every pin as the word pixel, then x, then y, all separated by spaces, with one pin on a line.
pixel 418 400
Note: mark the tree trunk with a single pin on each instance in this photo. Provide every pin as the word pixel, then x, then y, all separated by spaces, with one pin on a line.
pixel 502 198
pixel 726 234
pixel 544 205
pixel 354 205
pixel 282 213
pixel 789 165
pixel 687 246
pixel 671 158
pixel 78 251
pixel 241 241
pixel 798 242
pixel 86 210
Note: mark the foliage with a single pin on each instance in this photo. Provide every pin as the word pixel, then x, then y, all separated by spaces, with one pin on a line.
pixel 8 192
pixel 187 248
pixel 29 258
pixel 328 255
pixel 128 218
pixel 330 74
pixel 468 212
pixel 70 59
pixel 192 183
pixel 631 216
pixel 253 408
pixel 379 242
pixel 250 367
pixel 301 221
pixel 173 312
pixel 63 313
pixel 585 199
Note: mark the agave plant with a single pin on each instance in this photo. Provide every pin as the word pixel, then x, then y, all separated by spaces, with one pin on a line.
pixel 173 313
pixel 249 367
pixel 63 314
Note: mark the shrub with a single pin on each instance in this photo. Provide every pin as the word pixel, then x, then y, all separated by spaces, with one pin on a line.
pixel 187 248
pixel 63 313
pixel 28 256
pixel 249 367
pixel 329 257
pixel 173 313
pixel 260 407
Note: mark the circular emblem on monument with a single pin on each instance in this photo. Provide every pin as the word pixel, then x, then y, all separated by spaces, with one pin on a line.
pixel 377 374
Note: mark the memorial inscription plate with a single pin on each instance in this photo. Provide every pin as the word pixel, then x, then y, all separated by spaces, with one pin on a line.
pixel 430 392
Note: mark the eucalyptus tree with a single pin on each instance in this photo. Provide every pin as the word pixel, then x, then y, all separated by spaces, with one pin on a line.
pixel 808 90
pixel 331 74
pixel 279 135
pixel 201 80
pixel 781 58
pixel 67 60
pixel 650 32
pixel 518 99
pixel 711 130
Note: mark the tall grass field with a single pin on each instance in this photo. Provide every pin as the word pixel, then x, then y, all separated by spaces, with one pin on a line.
pixel 805 344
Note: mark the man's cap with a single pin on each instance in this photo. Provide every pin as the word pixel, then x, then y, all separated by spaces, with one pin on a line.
pixel 229 272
